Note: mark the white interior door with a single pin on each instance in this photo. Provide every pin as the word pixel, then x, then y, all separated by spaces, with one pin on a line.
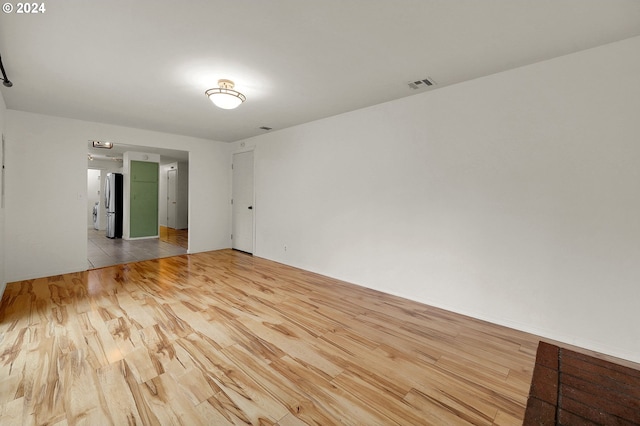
pixel 172 202
pixel 242 202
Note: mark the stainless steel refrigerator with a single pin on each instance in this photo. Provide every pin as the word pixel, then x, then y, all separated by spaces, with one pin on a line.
pixel 113 204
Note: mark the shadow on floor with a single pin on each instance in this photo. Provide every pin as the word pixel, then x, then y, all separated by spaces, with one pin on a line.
pixel 103 251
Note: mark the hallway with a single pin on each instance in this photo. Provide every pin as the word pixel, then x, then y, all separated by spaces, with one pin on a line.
pixel 103 251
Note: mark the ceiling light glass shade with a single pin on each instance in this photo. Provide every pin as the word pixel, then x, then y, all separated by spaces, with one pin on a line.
pixel 224 96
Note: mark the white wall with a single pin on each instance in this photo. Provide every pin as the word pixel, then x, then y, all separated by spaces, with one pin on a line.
pixel 45 206
pixel 3 112
pixel 513 198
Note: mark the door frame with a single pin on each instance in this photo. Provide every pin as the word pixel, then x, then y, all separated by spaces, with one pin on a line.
pixel 175 195
pixel 253 200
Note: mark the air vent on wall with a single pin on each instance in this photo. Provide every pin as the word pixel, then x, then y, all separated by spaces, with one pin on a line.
pixel 419 84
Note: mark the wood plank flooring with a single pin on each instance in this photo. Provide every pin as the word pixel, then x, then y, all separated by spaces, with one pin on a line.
pixel 178 237
pixel 223 338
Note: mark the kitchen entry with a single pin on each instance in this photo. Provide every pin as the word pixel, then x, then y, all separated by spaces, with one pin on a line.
pixel 163 241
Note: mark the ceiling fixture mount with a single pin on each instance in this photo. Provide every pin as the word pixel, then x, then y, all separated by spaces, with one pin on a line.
pixel 224 96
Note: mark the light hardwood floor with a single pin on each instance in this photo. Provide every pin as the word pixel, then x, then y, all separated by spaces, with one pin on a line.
pixel 178 237
pixel 225 338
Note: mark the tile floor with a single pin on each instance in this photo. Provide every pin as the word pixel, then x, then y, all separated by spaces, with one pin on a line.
pixel 103 251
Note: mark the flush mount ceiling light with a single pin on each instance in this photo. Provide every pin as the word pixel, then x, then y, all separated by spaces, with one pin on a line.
pixel 100 144
pixel 224 96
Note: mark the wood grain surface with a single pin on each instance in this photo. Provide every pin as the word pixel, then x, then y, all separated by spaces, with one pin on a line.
pixel 224 338
pixel 571 388
pixel 179 237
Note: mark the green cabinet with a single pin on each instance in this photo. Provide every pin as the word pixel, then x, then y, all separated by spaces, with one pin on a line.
pixel 143 203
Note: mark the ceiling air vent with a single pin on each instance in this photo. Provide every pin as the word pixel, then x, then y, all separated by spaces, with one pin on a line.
pixel 419 84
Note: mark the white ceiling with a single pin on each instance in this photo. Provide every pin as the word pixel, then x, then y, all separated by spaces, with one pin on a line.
pixel 147 63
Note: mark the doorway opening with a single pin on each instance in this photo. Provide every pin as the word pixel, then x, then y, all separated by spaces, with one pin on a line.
pixel 172 238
